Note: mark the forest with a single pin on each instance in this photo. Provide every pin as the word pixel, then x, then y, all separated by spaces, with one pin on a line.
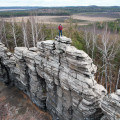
pixel 60 11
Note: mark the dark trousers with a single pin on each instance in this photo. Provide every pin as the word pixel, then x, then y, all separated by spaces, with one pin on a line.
pixel 60 32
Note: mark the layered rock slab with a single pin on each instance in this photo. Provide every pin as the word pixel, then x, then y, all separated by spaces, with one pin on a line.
pixel 57 76
pixel 72 92
pixel 111 106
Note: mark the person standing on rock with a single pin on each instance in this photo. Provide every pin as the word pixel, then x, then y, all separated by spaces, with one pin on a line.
pixel 60 30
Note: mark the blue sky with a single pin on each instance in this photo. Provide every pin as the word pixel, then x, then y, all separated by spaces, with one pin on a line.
pixel 59 2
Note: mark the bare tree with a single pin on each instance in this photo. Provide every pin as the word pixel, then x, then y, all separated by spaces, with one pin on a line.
pixel 4 32
pixel 1 30
pixel 37 29
pixel 26 44
pixel 118 79
pixel 32 21
pixel 108 49
pixel 14 31
pixel 90 40
pixel 87 40
pixel 93 40
pixel 42 33
pixel 51 30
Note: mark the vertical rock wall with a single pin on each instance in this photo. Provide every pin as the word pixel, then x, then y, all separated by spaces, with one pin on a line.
pixel 57 77
pixel 29 81
pixel 7 65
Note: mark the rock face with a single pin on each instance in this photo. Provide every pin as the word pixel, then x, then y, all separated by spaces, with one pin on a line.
pixel 57 77
pixel 7 65
pixel 111 106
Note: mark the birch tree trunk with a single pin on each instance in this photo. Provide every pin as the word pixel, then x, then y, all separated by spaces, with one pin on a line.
pixel 14 32
pixel 1 30
pixel 118 79
pixel 4 30
pixel 33 30
pixel 26 44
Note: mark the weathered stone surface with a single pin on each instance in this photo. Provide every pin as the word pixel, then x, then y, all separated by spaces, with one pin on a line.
pixel 57 77
pixel 111 106
pixel 118 92
pixel 64 39
pixel 34 49
pixel 7 64
pixel 18 53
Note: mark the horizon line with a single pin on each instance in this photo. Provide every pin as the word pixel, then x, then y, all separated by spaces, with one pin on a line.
pixel 64 6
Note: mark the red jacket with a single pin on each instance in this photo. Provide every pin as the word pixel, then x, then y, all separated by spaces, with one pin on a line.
pixel 60 27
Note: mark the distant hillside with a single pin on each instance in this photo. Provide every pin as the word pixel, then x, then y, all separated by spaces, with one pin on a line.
pixel 59 11
pixel 93 9
pixel 17 8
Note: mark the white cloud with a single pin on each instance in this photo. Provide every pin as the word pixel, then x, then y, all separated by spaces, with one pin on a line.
pixel 59 2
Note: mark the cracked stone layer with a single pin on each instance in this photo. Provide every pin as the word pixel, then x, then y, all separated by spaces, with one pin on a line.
pixel 110 105
pixel 57 77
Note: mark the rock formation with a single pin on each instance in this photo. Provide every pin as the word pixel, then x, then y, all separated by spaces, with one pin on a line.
pixel 111 106
pixel 57 77
pixel 7 65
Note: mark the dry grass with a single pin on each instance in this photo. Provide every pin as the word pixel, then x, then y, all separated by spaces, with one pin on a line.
pixel 40 19
pixel 82 20
pixel 92 19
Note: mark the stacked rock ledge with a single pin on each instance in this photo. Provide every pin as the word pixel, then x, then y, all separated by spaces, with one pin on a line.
pixel 57 77
pixel 110 104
